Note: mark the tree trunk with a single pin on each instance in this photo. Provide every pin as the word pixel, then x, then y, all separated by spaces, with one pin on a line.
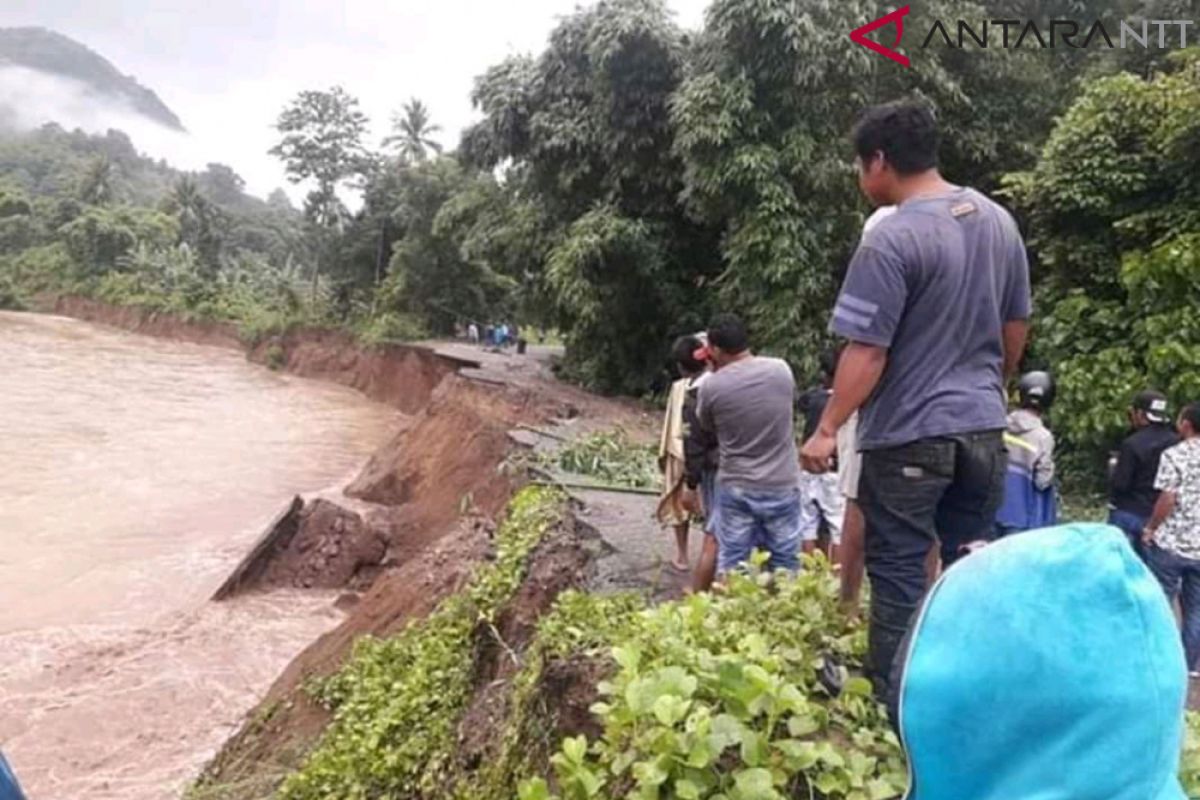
pixel 379 265
pixel 316 276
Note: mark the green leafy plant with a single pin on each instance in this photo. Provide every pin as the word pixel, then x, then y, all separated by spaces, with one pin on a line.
pixel 397 701
pixel 276 358
pixel 611 458
pixel 719 697
pixel 1189 770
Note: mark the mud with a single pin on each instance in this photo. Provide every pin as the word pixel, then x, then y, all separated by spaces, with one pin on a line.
pixel 150 323
pixel 286 723
pixel 318 545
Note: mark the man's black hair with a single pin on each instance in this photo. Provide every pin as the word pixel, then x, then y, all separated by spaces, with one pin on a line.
pixel 905 132
pixel 683 353
pixel 728 332
pixel 1191 413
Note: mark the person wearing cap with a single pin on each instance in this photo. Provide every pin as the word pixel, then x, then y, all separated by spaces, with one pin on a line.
pixel 1131 489
pixel 935 305
pixel 1029 496
pixel 1172 536
pixel 1044 667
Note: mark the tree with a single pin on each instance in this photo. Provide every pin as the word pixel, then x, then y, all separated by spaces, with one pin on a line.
pixel 279 201
pixel 200 222
pixel 223 186
pixel 102 236
pixel 1114 216
pixel 412 132
pixel 587 137
pixel 323 143
pixel 432 275
pixel 97 184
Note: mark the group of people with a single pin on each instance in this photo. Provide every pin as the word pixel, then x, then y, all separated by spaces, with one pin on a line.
pixel 911 458
pixel 499 335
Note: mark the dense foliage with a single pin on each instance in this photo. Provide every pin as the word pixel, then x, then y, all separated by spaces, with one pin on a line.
pixel 632 178
pixel 88 214
pixel 397 702
pixel 709 702
pixel 1114 212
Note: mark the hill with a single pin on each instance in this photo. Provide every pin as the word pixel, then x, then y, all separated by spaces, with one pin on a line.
pixel 57 55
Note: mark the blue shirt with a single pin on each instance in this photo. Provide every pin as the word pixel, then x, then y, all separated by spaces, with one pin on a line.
pixel 934 283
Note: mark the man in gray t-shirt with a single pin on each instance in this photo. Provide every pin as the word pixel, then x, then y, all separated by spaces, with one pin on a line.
pixel 747 404
pixel 934 306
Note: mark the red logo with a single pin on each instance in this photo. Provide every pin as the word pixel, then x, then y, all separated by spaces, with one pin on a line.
pixel 859 35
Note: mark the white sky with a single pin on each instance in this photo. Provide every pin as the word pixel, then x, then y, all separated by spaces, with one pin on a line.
pixel 227 67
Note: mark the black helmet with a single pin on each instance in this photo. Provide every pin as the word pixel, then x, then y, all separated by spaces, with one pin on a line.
pixel 1036 390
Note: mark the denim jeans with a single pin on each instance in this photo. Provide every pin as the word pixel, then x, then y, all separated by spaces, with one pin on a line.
pixel 1180 577
pixel 1132 525
pixel 944 490
pixel 768 520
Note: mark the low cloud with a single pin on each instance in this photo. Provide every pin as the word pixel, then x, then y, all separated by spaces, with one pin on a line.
pixel 30 98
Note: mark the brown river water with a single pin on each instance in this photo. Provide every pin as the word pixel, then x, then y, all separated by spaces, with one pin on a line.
pixel 134 475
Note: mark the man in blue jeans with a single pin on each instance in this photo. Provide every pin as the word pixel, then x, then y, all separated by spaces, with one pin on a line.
pixel 747 405
pixel 1131 488
pixel 935 307
pixel 1172 535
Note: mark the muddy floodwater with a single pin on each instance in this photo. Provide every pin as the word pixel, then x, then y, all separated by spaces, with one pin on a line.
pixel 134 474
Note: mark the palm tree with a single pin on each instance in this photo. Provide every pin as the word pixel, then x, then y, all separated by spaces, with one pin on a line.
pixel 199 221
pixel 96 184
pixel 411 133
pixel 186 201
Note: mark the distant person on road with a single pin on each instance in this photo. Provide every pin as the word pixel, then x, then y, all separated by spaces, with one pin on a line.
pixel 473 333
pixel 1131 489
pixel 1029 496
pixel 673 506
pixel 747 405
pixel 935 306
pixel 1172 535
pixel 821 499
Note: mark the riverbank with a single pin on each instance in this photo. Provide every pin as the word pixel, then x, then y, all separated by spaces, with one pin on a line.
pixel 426 502
pixel 481 639
pixel 137 473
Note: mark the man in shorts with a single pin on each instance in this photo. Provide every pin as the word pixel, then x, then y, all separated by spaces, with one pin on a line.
pixel 821 498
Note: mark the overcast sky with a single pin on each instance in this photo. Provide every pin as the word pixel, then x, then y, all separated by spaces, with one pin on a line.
pixel 227 67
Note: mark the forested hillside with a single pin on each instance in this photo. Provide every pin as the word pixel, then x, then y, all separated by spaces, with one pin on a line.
pixel 634 177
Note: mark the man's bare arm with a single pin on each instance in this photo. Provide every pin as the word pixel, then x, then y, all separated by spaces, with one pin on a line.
pixel 1162 509
pixel 1016 333
pixel 858 373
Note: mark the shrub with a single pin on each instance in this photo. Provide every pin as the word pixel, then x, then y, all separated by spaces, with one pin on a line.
pixel 390 326
pixel 720 697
